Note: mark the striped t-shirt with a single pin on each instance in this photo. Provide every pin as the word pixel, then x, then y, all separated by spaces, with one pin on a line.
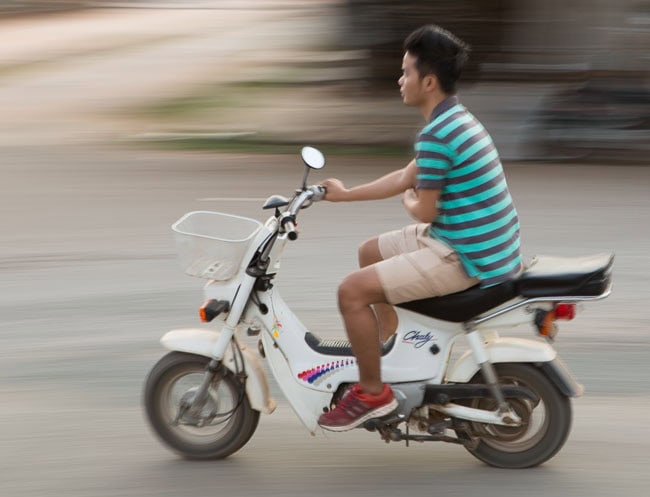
pixel 476 215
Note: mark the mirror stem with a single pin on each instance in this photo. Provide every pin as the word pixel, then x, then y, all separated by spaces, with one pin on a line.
pixel 304 179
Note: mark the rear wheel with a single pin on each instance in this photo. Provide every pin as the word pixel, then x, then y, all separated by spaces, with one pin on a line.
pixel 220 427
pixel 545 424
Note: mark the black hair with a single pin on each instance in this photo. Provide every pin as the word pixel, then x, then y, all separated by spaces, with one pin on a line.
pixel 438 52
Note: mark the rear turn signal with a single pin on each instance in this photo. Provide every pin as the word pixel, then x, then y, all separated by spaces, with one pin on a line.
pixel 545 320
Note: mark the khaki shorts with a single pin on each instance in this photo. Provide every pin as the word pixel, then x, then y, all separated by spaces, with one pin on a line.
pixel 416 266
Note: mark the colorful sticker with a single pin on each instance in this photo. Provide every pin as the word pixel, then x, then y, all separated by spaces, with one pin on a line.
pixel 277 327
pixel 317 374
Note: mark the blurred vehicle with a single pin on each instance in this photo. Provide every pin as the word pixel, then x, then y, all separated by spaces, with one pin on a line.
pixel 550 44
pixel 604 119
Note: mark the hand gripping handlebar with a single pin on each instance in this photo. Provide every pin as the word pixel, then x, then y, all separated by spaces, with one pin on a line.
pixel 302 200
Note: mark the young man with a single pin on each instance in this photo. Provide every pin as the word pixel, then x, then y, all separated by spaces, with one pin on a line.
pixel 468 231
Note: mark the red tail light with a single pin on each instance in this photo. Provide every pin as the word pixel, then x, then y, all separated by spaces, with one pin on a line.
pixel 565 311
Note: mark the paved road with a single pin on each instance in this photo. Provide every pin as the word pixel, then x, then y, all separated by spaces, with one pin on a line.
pixel 90 282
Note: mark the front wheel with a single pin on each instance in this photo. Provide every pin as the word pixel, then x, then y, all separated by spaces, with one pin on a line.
pixel 221 426
pixel 545 424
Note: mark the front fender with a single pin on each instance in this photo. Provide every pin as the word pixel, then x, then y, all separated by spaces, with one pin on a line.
pixel 201 342
pixel 501 350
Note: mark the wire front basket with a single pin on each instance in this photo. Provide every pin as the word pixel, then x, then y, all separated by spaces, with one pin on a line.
pixel 212 244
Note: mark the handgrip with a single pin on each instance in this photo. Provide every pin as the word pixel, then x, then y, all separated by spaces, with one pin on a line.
pixel 290 228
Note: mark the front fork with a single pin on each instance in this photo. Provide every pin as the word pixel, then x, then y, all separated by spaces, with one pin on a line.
pixel 227 334
pixel 196 403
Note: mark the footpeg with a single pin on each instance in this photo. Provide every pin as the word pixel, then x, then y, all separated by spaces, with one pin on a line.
pixel 438 428
pixel 375 424
pixel 372 424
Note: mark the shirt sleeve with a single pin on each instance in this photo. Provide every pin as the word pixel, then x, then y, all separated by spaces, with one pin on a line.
pixel 433 160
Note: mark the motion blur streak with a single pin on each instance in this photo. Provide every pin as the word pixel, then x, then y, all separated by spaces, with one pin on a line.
pixel 119 116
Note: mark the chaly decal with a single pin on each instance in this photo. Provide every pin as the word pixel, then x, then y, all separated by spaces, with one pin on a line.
pixel 418 338
pixel 319 373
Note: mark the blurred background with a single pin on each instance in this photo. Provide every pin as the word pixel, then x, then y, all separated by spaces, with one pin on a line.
pixel 120 116
pixel 553 80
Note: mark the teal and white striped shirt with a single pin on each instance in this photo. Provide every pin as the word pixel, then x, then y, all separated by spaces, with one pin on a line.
pixel 476 215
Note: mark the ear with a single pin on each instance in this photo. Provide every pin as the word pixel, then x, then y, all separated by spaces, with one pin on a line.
pixel 430 82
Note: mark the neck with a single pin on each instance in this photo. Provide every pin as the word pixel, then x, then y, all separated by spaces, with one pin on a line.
pixel 427 107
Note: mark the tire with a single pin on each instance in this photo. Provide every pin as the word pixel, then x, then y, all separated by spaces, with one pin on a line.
pixel 538 439
pixel 229 421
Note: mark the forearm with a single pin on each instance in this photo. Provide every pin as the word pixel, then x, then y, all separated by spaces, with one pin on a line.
pixel 384 187
pixel 387 186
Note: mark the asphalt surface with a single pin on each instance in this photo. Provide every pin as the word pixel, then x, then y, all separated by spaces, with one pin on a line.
pixel 90 282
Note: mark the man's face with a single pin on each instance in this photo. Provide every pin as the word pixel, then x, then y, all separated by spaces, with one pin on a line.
pixel 410 84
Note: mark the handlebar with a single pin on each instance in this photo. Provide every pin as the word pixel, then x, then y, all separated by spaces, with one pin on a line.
pixel 306 197
pixel 290 228
pixel 302 200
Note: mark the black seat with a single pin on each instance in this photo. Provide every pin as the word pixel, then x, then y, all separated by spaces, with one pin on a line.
pixel 585 276
pixel 463 306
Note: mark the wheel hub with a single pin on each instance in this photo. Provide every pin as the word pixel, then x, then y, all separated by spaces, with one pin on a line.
pixel 523 409
pixel 197 415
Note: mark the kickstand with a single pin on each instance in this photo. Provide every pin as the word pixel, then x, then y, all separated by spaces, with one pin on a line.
pixel 407 434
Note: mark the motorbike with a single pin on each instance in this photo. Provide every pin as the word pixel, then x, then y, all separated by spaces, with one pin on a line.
pixel 507 400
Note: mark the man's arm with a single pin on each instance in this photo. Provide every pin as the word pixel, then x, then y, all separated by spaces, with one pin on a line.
pixel 387 186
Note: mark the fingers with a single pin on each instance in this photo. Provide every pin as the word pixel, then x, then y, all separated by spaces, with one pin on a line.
pixel 335 189
pixel 410 194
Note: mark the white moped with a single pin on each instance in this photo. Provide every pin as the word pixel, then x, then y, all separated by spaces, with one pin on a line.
pixel 506 400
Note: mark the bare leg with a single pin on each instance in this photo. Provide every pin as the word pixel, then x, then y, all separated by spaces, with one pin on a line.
pixel 386 316
pixel 357 293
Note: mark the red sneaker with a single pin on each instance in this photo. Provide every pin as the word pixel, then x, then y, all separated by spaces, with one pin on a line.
pixel 357 407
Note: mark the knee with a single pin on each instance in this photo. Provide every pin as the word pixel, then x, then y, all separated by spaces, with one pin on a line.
pixel 350 295
pixel 369 252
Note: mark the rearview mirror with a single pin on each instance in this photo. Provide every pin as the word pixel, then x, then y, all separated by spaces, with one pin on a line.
pixel 313 157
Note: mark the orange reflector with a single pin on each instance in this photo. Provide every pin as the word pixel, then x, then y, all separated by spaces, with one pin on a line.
pixel 548 328
pixel 212 308
pixel 205 313
pixel 202 313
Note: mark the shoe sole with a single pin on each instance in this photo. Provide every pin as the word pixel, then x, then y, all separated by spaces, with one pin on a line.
pixel 375 413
